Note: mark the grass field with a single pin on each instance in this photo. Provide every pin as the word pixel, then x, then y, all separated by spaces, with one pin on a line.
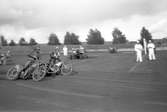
pixel 102 83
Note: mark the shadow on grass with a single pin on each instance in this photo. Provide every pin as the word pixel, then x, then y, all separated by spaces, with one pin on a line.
pixel 92 57
pixel 53 76
pixel 73 73
pixel 3 72
pixel 3 77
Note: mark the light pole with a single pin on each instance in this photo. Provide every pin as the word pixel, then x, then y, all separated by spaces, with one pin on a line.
pixel 145 46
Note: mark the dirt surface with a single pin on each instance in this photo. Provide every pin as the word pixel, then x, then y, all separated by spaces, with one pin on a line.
pixel 102 83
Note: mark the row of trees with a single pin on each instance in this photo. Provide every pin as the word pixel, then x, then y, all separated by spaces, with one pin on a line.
pixel 69 38
pixel 94 37
pixel 22 42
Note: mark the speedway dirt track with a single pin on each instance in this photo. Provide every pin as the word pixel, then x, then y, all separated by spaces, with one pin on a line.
pixel 102 83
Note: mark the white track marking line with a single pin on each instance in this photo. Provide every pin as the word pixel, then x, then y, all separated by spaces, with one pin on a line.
pixel 132 69
pixel 116 80
pixel 19 111
pixel 54 103
pixel 80 94
pixel 41 101
pixel 136 88
pixel 59 91
pixel 138 63
pixel 156 103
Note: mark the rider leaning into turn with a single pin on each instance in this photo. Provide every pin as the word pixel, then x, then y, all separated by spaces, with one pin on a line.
pixel 54 57
pixel 33 56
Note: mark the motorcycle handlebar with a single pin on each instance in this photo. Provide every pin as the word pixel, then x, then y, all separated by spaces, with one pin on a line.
pixel 32 57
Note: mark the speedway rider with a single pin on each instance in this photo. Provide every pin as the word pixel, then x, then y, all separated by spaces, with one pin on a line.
pixel 55 57
pixel 33 56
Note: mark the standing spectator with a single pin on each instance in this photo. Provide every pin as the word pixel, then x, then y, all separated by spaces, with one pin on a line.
pixel 54 56
pixel 82 50
pixel 65 50
pixel 138 49
pixel 2 59
pixel 151 50
pixel 73 50
pixel 8 54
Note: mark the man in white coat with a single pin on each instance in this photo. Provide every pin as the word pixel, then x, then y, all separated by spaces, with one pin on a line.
pixel 151 50
pixel 138 49
pixel 81 48
pixel 65 50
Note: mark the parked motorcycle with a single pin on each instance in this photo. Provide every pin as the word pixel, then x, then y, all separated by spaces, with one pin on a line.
pixel 77 54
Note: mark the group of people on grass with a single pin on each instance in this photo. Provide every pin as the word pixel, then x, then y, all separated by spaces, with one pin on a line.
pixel 150 47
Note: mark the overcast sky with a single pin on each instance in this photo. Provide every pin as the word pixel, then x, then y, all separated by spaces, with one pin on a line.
pixel 39 18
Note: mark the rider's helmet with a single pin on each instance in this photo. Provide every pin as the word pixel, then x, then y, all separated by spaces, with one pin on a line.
pixel 37 49
pixel 56 49
pixel 138 41
pixel 149 41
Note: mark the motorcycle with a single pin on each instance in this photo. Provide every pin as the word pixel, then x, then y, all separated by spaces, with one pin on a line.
pixel 77 54
pixel 58 68
pixel 35 71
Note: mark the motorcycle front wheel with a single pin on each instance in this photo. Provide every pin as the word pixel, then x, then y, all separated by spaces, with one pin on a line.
pixel 39 73
pixel 66 69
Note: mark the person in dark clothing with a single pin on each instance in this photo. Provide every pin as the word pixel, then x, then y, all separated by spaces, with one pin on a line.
pixel 33 56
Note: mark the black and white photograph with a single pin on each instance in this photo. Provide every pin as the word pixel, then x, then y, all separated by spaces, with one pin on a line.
pixel 83 55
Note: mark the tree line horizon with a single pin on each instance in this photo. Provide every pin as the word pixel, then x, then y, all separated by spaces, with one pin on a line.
pixel 94 37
